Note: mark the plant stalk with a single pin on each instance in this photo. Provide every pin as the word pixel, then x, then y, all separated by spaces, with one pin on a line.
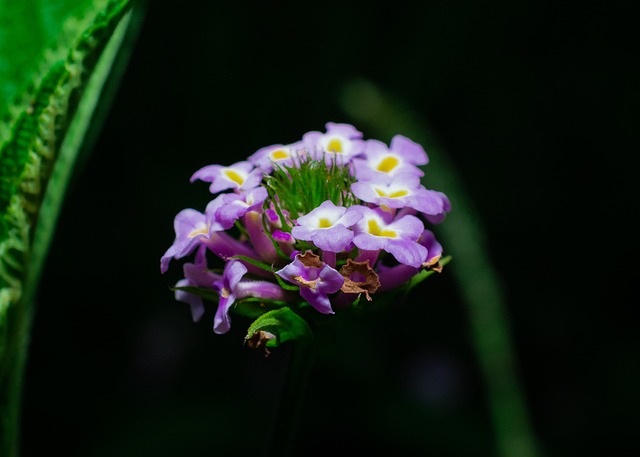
pixel 284 436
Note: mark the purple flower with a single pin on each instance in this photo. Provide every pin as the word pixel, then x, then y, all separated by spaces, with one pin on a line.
pixel 397 275
pixel 327 226
pixel 237 205
pixel 192 228
pixel 436 217
pixel 233 287
pixel 279 154
pixel 233 273
pixel 428 240
pixel 402 191
pixel 315 278
pixel 341 143
pixel 399 238
pixel 239 176
pixel 196 274
pixel 402 156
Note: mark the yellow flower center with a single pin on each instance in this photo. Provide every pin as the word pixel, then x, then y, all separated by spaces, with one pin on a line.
pixel 199 231
pixel 396 194
pixel 334 145
pixel 375 230
pixel 387 164
pixel 324 223
pixel 279 155
pixel 234 176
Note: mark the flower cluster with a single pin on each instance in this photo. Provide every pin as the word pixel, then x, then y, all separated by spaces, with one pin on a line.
pixel 315 224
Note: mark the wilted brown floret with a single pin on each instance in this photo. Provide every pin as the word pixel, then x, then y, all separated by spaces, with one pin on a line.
pixel 359 278
pixel 259 340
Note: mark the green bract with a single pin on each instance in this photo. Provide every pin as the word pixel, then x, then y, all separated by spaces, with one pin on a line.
pixel 301 189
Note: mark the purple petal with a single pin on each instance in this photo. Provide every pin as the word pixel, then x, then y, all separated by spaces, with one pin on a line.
pixel 315 281
pixel 428 240
pixel 411 151
pixel 234 270
pixel 333 239
pixel 327 226
pixel 222 320
pixel 408 226
pixel 346 130
pixel 319 302
pixel 407 252
pixel 194 301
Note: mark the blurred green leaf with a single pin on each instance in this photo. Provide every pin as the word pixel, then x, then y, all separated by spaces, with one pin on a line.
pixel 33 32
pixel 56 60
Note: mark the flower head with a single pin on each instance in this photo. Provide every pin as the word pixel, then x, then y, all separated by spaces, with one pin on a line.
pixel 307 229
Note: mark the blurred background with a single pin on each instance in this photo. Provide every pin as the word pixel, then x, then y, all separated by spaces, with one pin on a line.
pixel 533 104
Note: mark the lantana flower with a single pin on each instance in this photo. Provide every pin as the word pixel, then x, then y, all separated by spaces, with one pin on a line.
pixel 402 191
pixel 379 160
pixel 327 226
pixel 192 228
pixel 306 229
pixel 277 154
pixel 398 237
pixel 239 176
pixel 340 143
pixel 316 280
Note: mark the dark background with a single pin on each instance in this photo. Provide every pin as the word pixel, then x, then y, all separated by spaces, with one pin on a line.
pixel 534 104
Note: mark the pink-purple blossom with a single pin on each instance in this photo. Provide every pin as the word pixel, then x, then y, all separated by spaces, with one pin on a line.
pixel 327 226
pixel 192 228
pixel 402 191
pixel 239 176
pixel 403 156
pixel 196 274
pixel 232 287
pixel 340 143
pixel 277 154
pixel 234 206
pixel 398 237
pixel 316 280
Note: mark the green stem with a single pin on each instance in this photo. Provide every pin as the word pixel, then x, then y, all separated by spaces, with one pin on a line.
pixel 471 266
pixel 301 361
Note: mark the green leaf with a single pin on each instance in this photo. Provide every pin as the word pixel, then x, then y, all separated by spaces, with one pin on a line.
pixel 284 285
pixel 255 307
pixel 283 324
pixel 254 262
pixel 204 292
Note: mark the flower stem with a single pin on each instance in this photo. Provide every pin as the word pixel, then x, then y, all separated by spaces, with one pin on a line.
pixel 301 361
